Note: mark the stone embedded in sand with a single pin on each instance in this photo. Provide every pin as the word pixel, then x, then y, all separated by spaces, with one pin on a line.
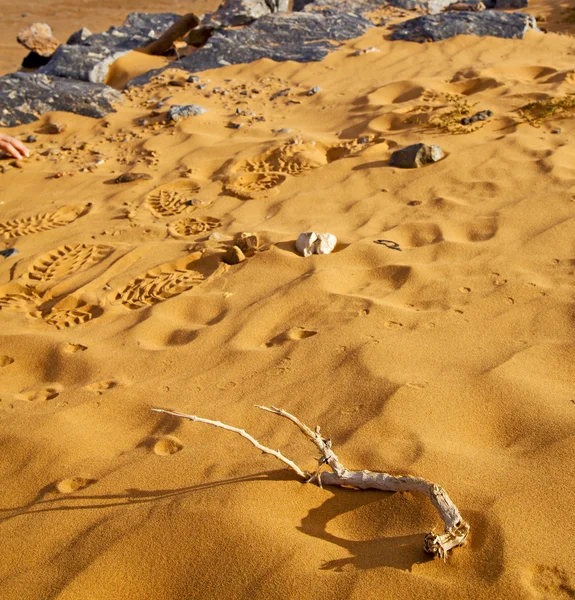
pixel 54 128
pixel 167 445
pixel 6 360
pixel 25 96
pixel 38 38
pixel 248 243
pixel 432 28
pixel 415 156
pixel 315 243
pixel 129 177
pixel 233 256
pixel 69 486
pixel 182 111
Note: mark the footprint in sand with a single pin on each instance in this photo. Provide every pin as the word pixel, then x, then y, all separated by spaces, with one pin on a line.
pixel 66 260
pixel 14 296
pixel 70 312
pixel 74 484
pixel 5 361
pixel 250 186
pixel 295 333
pixel 167 445
pixel 42 222
pixel 157 285
pixel 190 226
pixel 173 198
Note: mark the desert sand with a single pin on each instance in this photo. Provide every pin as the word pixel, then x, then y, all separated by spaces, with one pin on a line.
pixel 451 358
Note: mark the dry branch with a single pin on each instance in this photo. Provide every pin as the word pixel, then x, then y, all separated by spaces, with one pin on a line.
pixel 456 529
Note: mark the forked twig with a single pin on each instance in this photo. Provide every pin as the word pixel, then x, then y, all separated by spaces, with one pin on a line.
pixel 456 529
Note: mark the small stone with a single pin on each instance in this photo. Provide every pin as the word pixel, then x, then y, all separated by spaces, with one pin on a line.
pixel 281 93
pixel 18 164
pixel 232 125
pixel 233 256
pixel 129 177
pixel 283 130
pixel 177 83
pixel 52 152
pixel 366 51
pixel 54 128
pixel 31 139
pixel 182 111
pixel 558 130
pixel 314 90
pixel 38 38
pixel 310 242
pixel 414 203
pixel 415 156
pixel 193 79
pixel 482 115
pixel 8 252
pixel 248 243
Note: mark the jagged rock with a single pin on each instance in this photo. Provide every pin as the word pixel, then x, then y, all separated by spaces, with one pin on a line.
pixel 415 156
pixel 182 111
pixel 232 13
pixel 38 38
pixel 233 256
pixel 310 242
pixel 87 57
pixel 301 37
pixel 25 96
pixel 433 28
pixel 247 242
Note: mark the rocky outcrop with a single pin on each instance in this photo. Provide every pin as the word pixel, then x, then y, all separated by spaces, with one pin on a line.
pixel 87 56
pixel 24 96
pixel 432 28
pixel 301 37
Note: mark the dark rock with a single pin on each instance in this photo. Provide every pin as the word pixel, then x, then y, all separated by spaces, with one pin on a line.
pixel 357 7
pixel 25 96
pixel 232 13
pixel 314 90
pixel 182 111
pixel 8 252
pixel 193 79
pixel 432 7
pixel 38 38
pixel 301 37
pixel 482 115
pixel 510 4
pixel 232 125
pixel 557 131
pixel 415 156
pixel 31 139
pixel 87 57
pixel 129 177
pixel 449 24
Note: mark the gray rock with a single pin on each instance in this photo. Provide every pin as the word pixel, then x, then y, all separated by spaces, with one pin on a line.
pixel 449 24
pixel 87 56
pixel 482 115
pixel 232 13
pixel 25 96
pixel 182 111
pixel 357 7
pixel 314 90
pixel 301 37
pixel 510 4
pixel 415 156
pixel 433 7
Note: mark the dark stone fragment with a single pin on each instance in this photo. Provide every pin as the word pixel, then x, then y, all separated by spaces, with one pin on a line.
pixel 281 93
pixel 314 90
pixel 8 252
pixel 301 37
pixel 449 24
pixel 129 177
pixel 232 125
pixel 177 83
pixel 482 115
pixel 31 139
pixel 79 36
pixel 182 111
pixel 415 156
pixel 193 79
pixel 232 13
pixel 510 4
pixel 233 256
pixel 25 96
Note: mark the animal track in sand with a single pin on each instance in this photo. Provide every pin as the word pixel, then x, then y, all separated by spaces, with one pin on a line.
pixel 168 445
pixel 553 582
pixel 5 361
pixel 74 484
pixel 66 260
pixel 73 348
pixel 295 333
pixel 42 222
pixel 173 198
pixel 190 226
pixel 156 286
pixel 42 395
pixel 101 386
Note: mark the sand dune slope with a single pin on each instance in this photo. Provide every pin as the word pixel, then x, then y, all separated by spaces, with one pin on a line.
pixel 450 358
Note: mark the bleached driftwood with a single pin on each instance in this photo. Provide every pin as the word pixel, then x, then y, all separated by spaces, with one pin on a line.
pixel 456 529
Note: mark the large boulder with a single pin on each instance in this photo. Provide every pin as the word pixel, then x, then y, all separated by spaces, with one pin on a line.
pixel 25 96
pixel 87 56
pixel 432 28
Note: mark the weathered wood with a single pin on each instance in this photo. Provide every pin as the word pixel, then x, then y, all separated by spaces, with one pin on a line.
pixel 456 529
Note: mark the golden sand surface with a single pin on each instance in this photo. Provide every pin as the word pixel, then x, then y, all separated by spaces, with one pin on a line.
pixel 452 358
